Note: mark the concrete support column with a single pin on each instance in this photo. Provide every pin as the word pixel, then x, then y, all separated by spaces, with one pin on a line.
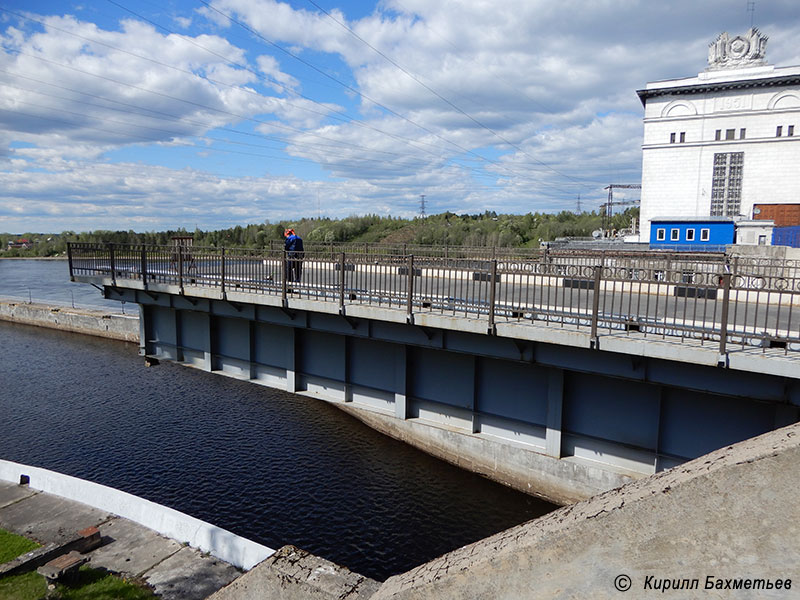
pixel 400 404
pixel 208 362
pixel 476 421
pixel 142 330
pixel 252 354
pixel 555 400
pixel 658 466
pixel 291 358
pixel 348 388
pixel 177 318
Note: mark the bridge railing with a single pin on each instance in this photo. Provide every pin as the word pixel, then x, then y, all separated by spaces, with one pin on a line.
pixel 710 298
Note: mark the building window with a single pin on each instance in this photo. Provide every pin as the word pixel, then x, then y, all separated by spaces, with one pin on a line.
pixel 790 130
pixel 683 137
pixel 718 135
pixel 674 235
pixel 742 133
pixel 661 234
pixel 671 138
pixel 690 235
pixel 778 131
pixel 730 134
pixel 726 184
pixel 705 235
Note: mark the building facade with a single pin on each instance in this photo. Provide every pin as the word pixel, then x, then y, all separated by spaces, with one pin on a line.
pixel 720 143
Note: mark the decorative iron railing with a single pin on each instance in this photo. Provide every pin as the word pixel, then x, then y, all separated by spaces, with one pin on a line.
pixel 711 298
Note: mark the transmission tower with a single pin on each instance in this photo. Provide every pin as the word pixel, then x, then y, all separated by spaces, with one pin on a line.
pixel 422 205
pixel 608 207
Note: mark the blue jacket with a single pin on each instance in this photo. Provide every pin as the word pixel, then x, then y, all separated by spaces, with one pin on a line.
pixel 293 243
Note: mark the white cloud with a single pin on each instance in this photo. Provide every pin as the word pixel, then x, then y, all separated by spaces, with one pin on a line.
pixel 555 83
pixel 68 88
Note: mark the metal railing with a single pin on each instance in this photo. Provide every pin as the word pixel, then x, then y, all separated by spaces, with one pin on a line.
pixel 711 298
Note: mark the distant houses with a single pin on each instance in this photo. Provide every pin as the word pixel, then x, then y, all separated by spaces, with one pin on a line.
pixel 22 243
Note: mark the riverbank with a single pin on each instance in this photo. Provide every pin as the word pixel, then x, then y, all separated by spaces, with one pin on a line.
pixel 97 322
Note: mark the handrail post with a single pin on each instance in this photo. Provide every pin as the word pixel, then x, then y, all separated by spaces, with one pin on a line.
pixel 598 271
pixel 492 296
pixel 180 268
pixel 222 274
pixel 144 266
pixel 69 258
pixel 111 263
pixel 284 284
pixel 722 359
pixel 409 301
pixel 341 283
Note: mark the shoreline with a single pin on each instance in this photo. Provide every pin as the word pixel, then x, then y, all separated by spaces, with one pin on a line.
pixel 34 258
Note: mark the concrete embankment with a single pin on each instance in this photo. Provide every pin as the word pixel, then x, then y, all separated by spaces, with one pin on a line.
pixel 724 525
pixel 556 480
pixel 179 556
pixel 102 323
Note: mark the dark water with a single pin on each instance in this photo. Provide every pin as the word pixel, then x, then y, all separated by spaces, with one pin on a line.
pixel 271 466
pixel 47 282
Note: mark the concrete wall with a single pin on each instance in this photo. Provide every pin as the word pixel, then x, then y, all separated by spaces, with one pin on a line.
pixel 219 542
pixel 79 320
pixel 562 481
pixel 731 516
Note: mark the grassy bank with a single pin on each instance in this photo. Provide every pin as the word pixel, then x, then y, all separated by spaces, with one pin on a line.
pixel 88 584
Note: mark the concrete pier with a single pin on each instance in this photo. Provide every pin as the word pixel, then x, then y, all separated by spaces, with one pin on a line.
pixel 102 323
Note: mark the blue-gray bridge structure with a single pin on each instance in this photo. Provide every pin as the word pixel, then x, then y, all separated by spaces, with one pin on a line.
pixel 558 373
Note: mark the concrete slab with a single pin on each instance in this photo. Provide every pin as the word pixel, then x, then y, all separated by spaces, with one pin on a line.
pixel 131 549
pixel 11 493
pixel 46 518
pixel 294 574
pixel 189 575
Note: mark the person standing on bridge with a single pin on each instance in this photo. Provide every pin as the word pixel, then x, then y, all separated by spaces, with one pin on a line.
pixel 293 245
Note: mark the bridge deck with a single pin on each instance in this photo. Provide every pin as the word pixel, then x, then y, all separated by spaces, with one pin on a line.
pixel 729 312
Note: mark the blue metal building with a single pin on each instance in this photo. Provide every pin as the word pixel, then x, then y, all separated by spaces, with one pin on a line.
pixel 692 233
pixel 786 236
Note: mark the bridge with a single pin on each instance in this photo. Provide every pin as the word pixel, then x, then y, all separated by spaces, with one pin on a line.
pixel 560 373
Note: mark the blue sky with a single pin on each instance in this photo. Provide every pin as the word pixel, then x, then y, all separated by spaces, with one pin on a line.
pixel 123 114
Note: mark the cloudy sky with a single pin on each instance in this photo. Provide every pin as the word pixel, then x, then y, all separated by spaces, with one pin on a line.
pixel 148 115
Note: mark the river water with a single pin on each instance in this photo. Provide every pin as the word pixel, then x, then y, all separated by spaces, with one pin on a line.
pixel 47 282
pixel 271 466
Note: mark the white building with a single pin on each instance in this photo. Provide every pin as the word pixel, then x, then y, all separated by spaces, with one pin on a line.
pixel 722 142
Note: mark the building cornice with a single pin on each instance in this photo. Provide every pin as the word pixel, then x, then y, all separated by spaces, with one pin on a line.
pixel 702 88
pixel 720 143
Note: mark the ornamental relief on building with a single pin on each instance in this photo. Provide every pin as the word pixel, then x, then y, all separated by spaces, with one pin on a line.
pixel 737 102
pixel 746 50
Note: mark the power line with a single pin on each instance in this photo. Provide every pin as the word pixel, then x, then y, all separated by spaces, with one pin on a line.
pixel 361 94
pixel 437 94
pixel 268 123
pixel 350 120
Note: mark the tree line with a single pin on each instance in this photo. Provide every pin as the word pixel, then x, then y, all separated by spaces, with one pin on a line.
pixel 486 229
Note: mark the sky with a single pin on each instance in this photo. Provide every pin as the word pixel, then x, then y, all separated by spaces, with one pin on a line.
pixel 153 115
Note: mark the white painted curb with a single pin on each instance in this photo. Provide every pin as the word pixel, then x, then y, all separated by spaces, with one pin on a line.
pixel 170 523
